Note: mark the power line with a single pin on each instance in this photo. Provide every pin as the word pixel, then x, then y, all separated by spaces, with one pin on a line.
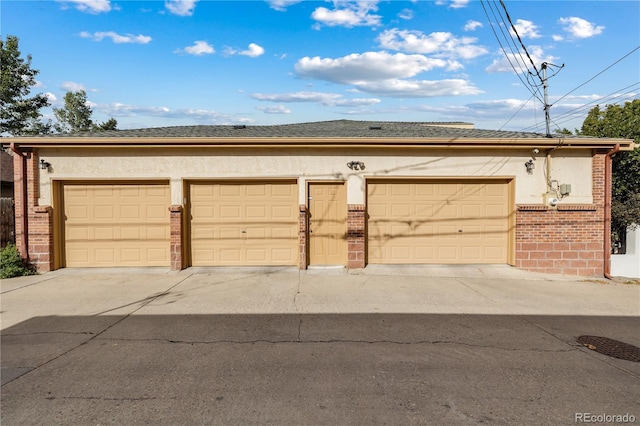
pixel 616 62
pixel 519 39
pixel 516 113
pixel 532 89
pixel 622 98
pixel 627 92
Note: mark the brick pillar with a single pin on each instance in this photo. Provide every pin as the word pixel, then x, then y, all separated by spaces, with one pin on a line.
pixel 20 185
pixel 33 179
pixel 356 236
pixel 41 238
pixel 177 258
pixel 303 231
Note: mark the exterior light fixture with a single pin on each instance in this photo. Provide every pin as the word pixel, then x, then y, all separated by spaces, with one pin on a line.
pixel 355 165
pixel 44 165
pixel 530 165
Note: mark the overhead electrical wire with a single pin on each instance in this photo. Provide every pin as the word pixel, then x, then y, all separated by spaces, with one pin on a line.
pixel 629 92
pixel 615 63
pixel 519 65
pixel 516 113
pixel 623 97
pixel 515 31
pixel 534 89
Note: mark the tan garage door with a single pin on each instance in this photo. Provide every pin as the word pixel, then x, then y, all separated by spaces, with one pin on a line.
pixel 244 223
pixel 116 225
pixel 444 221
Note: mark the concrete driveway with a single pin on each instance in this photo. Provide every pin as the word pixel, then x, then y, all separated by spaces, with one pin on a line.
pixel 412 345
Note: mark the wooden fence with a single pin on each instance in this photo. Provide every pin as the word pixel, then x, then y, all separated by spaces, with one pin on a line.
pixel 7 222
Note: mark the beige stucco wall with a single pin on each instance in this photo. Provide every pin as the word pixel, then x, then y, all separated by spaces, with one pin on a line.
pixel 567 166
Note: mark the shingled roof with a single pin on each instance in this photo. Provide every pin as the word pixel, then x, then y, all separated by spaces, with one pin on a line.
pixel 339 133
pixel 320 129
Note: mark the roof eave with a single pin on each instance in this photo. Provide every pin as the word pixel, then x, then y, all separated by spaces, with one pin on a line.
pixel 315 142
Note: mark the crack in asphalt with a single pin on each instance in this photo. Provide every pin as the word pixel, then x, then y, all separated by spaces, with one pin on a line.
pixel 102 398
pixel 36 333
pixel 348 341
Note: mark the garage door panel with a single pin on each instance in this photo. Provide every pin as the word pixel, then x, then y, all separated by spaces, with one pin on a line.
pixel 230 257
pixel 116 225
pixel 104 256
pixel 449 221
pixel 251 224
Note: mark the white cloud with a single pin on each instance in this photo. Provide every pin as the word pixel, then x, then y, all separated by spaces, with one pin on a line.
pixel 580 28
pixel 326 99
pixel 181 7
pixel 72 86
pixel 472 25
pixel 525 29
pixel 348 14
pixel 201 115
pixel 502 63
pixel 281 5
pixel 116 38
pixel 90 6
pixel 52 98
pixel 453 4
pixel 384 74
pixel 368 66
pixel 497 104
pixel 200 47
pixel 253 51
pixel 440 44
pixel 419 88
pixel 557 37
pixel 406 14
pixel 274 109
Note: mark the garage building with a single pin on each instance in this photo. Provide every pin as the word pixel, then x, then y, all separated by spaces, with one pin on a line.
pixel 346 193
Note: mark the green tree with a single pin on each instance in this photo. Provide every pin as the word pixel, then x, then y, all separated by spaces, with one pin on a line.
pixel 620 121
pixel 76 114
pixel 19 113
pixel 110 124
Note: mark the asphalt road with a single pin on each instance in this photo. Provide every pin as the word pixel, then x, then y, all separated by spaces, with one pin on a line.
pixel 314 369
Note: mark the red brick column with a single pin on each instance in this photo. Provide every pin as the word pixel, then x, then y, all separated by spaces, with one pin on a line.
pixel 41 238
pixel 19 185
pixel 33 179
pixel 36 244
pixel 356 236
pixel 567 240
pixel 175 220
pixel 303 221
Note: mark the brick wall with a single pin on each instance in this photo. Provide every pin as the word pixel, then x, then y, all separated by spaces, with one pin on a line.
pixel 41 238
pixel 176 239
pixel 356 235
pixel 303 221
pixel 39 218
pixel 19 184
pixel 567 240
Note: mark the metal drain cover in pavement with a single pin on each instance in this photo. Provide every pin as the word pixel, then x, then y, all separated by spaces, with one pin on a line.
pixel 610 347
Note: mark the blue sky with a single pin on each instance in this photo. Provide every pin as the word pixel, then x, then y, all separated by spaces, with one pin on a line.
pixel 165 63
